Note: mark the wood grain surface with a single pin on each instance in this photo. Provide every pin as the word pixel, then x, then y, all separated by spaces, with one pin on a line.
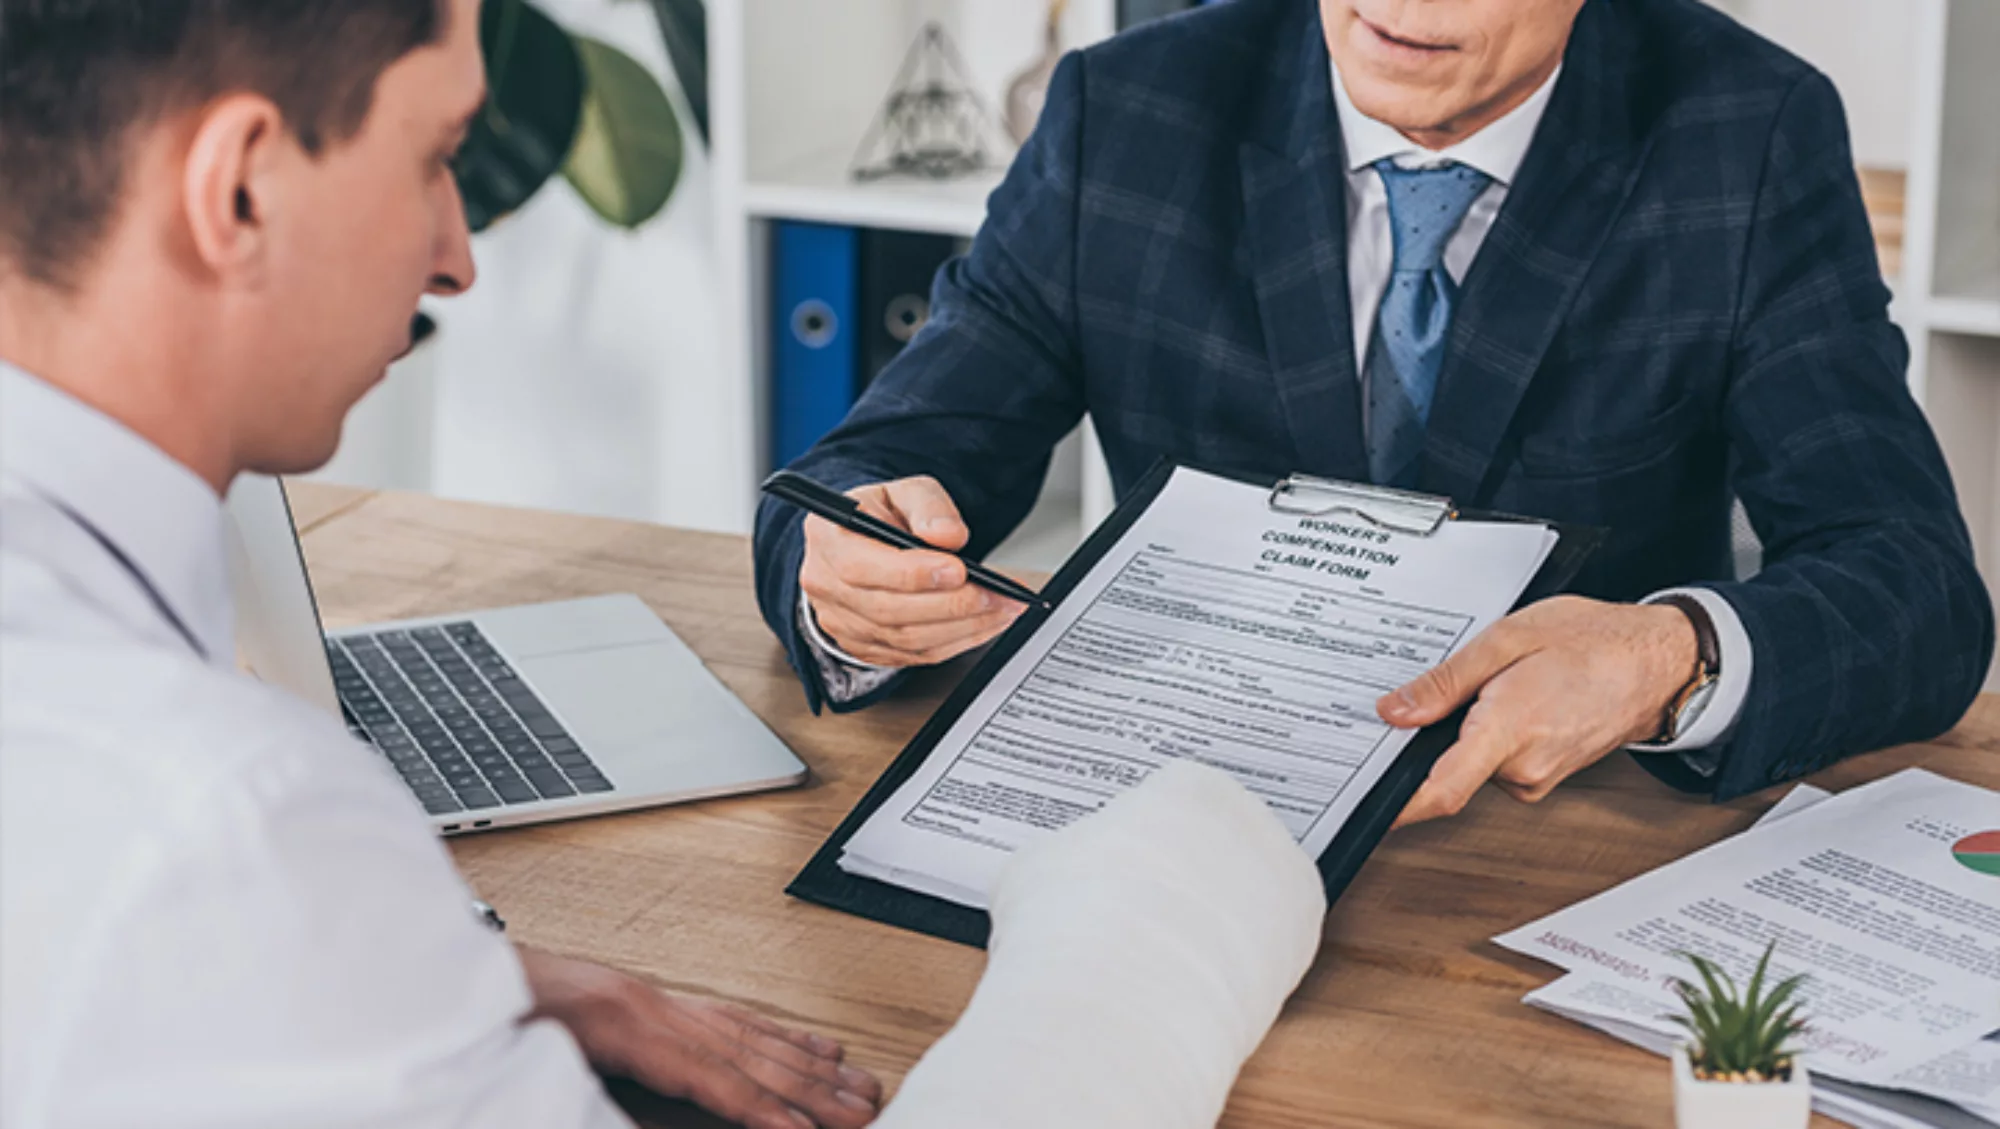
pixel 1410 1017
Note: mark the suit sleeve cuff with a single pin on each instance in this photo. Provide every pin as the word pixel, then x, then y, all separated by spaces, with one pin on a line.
pixel 846 678
pixel 1718 720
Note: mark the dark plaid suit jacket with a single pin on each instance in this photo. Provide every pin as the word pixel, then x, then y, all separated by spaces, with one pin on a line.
pixel 1679 300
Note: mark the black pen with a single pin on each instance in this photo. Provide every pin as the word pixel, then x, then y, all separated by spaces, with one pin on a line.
pixel 845 512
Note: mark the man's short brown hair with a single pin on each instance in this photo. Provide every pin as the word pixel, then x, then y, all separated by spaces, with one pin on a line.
pixel 79 78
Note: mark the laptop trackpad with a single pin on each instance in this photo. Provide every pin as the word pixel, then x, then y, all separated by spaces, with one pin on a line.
pixel 642 694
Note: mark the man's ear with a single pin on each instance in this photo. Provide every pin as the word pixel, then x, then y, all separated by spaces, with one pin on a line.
pixel 232 180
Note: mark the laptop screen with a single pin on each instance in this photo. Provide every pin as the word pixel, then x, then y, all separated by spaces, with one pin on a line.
pixel 278 633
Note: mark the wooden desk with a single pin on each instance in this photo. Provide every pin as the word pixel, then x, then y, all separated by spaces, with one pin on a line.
pixel 1409 1018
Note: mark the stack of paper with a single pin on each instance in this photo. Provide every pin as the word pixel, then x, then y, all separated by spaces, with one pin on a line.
pixel 1216 630
pixel 1887 897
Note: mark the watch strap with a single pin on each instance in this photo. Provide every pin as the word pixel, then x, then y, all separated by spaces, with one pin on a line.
pixel 1707 644
pixel 1708 667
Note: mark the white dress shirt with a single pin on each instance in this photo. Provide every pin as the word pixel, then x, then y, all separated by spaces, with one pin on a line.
pixel 216 908
pixel 1497 150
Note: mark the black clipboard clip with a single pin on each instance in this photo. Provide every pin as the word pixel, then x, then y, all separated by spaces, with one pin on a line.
pixel 1385 507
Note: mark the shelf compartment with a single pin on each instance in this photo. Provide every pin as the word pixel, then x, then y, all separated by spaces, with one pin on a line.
pixel 1968 221
pixel 1973 314
pixel 1963 401
pixel 819 189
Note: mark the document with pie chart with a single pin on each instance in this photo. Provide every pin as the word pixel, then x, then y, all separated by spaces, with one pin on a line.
pixel 1979 851
pixel 1886 896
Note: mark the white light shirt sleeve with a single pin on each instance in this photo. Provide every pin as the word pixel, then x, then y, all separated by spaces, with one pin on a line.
pixel 845 677
pixel 1497 151
pixel 1718 720
pixel 216 908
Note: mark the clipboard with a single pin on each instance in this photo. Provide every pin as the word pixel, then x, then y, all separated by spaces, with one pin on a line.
pixel 823 882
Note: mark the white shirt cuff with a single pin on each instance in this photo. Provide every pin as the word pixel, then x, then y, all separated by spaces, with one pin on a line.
pixel 846 677
pixel 1718 719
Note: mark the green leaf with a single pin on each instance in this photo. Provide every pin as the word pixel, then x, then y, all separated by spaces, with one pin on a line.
pixel 1757 978
pixel 627 157
pixel 1702 1013
pixel 1747 1033
pixel 534 100
pixel 1780 996
pixel 684 29
pixel 1713 977
pixel 1783 1028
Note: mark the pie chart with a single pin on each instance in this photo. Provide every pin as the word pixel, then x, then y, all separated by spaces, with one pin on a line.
pixel 1980 851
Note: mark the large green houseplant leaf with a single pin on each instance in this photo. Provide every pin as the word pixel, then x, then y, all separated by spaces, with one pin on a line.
pixel 563 103
pixel 627 154
pixel 534 81
pixel 684 29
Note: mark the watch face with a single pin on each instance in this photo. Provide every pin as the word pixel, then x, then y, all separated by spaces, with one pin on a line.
pixel 1698 700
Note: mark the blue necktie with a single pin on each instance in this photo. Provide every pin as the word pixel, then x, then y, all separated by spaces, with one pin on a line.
pixel 1425 207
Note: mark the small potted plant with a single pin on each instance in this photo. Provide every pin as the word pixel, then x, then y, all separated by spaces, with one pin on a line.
pixel 1739 1070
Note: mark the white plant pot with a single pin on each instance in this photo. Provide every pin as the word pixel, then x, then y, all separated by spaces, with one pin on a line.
pixel 1739 1105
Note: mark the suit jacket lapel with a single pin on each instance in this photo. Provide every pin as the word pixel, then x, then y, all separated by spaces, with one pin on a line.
pixel 1295 238
pixel 1581 166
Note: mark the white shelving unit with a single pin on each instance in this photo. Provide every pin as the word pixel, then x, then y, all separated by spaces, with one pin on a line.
pixel 818 189
pixel 794 85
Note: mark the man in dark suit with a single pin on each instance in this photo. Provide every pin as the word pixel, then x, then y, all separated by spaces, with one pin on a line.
pixel 1600 261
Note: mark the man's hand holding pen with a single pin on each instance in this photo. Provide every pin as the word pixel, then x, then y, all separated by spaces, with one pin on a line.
pixel 900 607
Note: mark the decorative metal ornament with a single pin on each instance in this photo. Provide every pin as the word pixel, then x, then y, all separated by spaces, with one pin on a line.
pixel 934 125
pixel 1030 88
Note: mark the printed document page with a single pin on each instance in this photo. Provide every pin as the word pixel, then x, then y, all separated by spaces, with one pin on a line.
pixel 1217 629
pixel 1968 1077
pixel 1635 1018
pixel 1886 896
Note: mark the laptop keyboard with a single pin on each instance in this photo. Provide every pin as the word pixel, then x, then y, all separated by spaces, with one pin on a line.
pixel 455 720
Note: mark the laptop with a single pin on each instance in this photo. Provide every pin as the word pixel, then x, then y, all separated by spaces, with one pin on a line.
pixel 506 717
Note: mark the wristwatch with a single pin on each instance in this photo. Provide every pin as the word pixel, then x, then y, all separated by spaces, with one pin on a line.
pixel 1687 704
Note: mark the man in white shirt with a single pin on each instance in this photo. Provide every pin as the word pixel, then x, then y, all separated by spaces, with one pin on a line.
pixel 216 219
pixel 1597 261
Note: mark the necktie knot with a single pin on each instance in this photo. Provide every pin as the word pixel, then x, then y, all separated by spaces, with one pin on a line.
pixel 1425 207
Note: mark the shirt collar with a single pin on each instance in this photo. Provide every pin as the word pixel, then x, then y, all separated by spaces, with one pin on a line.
pixel 1496 150
pixel 165 519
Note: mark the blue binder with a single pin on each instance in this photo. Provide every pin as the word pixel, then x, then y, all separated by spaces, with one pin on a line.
pixel 815 363
pixel 898 269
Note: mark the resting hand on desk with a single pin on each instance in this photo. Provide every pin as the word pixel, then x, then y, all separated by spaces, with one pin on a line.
pixel 730 1062
pixel 1558 685
pixel 894 607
